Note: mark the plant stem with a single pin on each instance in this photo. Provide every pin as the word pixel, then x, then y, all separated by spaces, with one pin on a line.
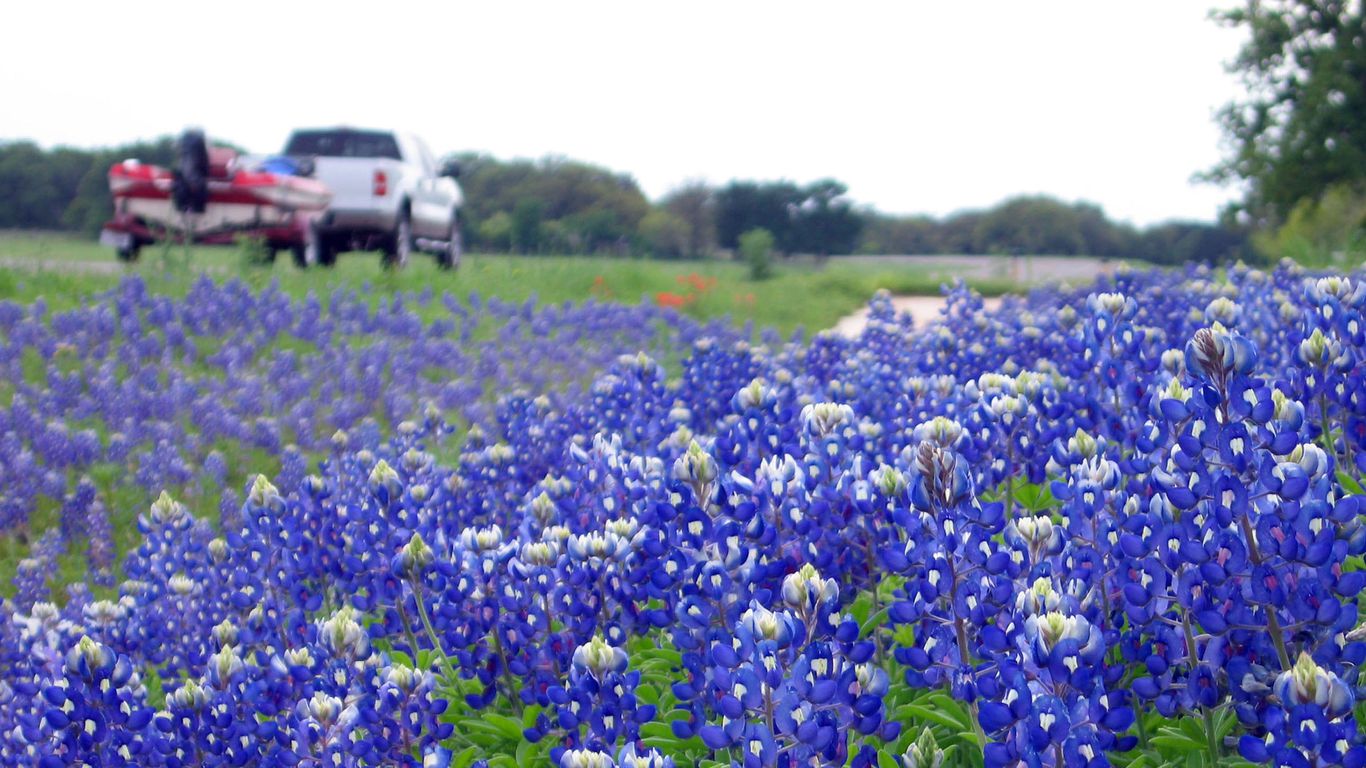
pixel 408 630
pixel 1204 711
pixel 431 631
pixel 1142 731
pixel 1324 428
pixel 507 674
pixel 1209 735
pixel 1273 622
pixel 877 633
pixel 963 655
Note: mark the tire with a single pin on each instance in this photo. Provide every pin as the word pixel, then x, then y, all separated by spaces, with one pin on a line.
pixel 327 246
pixel 128 255
pixel 449 257
pixel 401 245
pixel 310 251
pixel 303 255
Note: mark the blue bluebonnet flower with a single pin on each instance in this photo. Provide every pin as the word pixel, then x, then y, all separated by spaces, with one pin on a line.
pixel 1132 495
pixel 99 716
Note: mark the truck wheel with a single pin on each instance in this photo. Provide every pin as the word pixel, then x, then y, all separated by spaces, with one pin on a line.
pixel 449 257
pixel 396 256
pixel 128 255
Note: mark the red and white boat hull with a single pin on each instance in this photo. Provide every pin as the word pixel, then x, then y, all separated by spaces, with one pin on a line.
pixel 276 206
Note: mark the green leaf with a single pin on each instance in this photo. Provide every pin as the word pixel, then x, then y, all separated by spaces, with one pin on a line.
pixel 657 729
pixel 1224 726
pixel 1170 744
pixel 524 753
pixel 647 694
pixel 510 728
pixel 951 707
pixel 1193 728
pixel 1349 483
pixel 934 716
pixel 464 759
pixel 873 622
pixel 666 655
pixel 483 733
pixel 860 608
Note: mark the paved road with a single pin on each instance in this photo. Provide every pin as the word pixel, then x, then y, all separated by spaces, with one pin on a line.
pixel 1024 269
pixel 924 310
pixel 110 267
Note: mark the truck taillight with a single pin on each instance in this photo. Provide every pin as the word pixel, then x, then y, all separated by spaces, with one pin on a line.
pixel 381 187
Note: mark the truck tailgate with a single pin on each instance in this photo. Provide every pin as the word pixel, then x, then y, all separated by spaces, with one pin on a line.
pixel 354 182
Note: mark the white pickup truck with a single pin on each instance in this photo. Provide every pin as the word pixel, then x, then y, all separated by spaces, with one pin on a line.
pixel 387 194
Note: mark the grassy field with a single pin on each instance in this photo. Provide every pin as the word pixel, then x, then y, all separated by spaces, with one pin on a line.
pixel 63 269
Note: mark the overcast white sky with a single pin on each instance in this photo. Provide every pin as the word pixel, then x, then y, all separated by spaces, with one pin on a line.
pixel 919 107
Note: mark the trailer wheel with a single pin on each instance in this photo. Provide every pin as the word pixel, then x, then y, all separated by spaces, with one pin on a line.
pixel 325 248
pixel 304 256
pixel 128 255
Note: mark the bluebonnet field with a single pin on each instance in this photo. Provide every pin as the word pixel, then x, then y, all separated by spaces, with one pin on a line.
pixel 1114 525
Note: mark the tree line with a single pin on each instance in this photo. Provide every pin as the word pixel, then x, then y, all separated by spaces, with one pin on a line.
pixel 65 188
pixel 558 205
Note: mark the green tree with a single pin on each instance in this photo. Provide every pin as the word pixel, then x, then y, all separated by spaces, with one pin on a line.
pixel 1029 225
pixel 1181 242
pixel 824 221
pixel 1326 232
pixel 665 234
pixel 815 219
pixel 884 234
pixel 591 208
pixel 756 249
pixel 957 233
pixel 742 206
pixel 29 196
pixel 694 203
pixel 495 232
pixel 526 226
pixel 1302 127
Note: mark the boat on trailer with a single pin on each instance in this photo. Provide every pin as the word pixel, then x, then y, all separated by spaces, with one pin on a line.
pixel 215 196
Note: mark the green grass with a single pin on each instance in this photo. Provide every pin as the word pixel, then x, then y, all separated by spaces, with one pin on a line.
pixel 64 269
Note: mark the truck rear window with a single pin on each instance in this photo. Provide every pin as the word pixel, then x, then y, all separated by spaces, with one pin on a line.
pixel 343 144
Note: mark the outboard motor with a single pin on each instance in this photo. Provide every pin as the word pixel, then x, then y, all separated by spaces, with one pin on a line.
pixel 190 184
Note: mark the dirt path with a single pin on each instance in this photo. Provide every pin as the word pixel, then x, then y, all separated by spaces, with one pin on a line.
pixel 923 309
